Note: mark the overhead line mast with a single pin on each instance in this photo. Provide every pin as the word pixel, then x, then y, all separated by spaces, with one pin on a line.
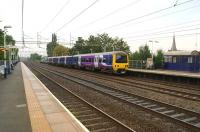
pixel 23 23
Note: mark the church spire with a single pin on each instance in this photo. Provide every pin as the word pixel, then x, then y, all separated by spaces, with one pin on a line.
pixel 173 48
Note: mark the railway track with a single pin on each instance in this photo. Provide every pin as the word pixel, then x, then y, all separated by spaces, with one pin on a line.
pixel 179 115
pixel 146 86
pixel 90 116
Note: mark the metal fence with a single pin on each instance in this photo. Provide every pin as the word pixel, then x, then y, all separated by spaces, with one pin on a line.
pixel 138 64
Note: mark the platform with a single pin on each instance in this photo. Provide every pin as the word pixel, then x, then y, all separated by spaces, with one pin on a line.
pixel 46 112
pixel 168 73
pixel 14 116
pixel 26 105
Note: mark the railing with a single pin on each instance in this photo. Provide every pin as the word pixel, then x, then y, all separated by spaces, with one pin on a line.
pixel 138 64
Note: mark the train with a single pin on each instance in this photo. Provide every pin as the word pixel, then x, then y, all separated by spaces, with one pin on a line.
pixel 115 62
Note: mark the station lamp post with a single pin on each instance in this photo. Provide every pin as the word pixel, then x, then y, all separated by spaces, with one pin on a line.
pixel 5 67
pixel 152 46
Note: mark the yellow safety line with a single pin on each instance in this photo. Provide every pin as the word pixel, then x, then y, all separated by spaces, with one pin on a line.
pixel 38 121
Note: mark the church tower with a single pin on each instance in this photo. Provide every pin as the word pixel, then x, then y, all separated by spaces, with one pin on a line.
pixel 173 48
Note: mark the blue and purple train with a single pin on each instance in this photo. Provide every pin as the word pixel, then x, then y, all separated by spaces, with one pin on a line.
pixel 116 61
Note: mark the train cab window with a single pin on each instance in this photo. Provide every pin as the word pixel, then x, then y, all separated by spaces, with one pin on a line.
pixel 104 60
pixel 173 59
pixel 190 60
pixel 121 58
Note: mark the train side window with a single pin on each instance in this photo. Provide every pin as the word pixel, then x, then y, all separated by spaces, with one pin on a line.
pixel 100 60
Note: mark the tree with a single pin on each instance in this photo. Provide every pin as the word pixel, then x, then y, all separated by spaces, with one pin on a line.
pixel 136 56
pixel 60 50
pixel 158 59
pixel 54 38
pixel 35 57
pixel 99 43
pixel 9 40
pixel 51 45
pixel 78 47
pixel 142 54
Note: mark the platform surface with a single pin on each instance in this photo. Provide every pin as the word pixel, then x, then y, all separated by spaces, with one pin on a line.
pixel 14 115
pixel 168 72
pixel 46 112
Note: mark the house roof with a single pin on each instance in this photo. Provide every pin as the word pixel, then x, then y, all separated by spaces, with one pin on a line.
pixel 181 52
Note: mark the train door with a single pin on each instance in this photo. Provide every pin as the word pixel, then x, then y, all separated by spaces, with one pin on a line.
pixel 65 61
pixel 96 61
pixel 79 61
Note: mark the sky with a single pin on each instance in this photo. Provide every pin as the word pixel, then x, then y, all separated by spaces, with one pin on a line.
pixel 136 21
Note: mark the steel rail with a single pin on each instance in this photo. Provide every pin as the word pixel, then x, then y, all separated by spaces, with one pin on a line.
pixel 179 115
pixel 124 127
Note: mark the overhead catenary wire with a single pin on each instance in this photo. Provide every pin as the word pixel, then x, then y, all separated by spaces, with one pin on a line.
pixel 164 37
pixel 79 14
pixel 146 15
pixel 164 15
pixel 111 13
pixel 59 11
pixel 167 31
pixel 198 5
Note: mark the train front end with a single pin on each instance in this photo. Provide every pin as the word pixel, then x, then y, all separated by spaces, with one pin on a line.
pixel 120 62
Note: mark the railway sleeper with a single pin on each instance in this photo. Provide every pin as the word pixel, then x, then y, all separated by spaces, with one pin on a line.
pixel 72 103
pixel 100 125
pixel 189 119
pixel 137 101
pixel 81 112
pixel 167 112
pixel 127 97
pixel 88 116
pixel 150 106
pixel 79 107
pixel 177 115
pixel 76 105
pixel 132 99
pixel 197 125
pixel 144 103
pixel 91 120
pixel 110 129
pixel 159 108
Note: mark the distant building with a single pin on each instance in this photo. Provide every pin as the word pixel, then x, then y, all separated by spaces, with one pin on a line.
pixel 181 60
pixel 173 48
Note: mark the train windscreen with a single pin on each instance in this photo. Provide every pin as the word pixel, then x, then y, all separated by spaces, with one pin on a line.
pixel 121 58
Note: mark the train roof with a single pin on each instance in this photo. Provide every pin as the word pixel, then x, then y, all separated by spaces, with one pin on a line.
pixel 104 53
pixel 182 53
